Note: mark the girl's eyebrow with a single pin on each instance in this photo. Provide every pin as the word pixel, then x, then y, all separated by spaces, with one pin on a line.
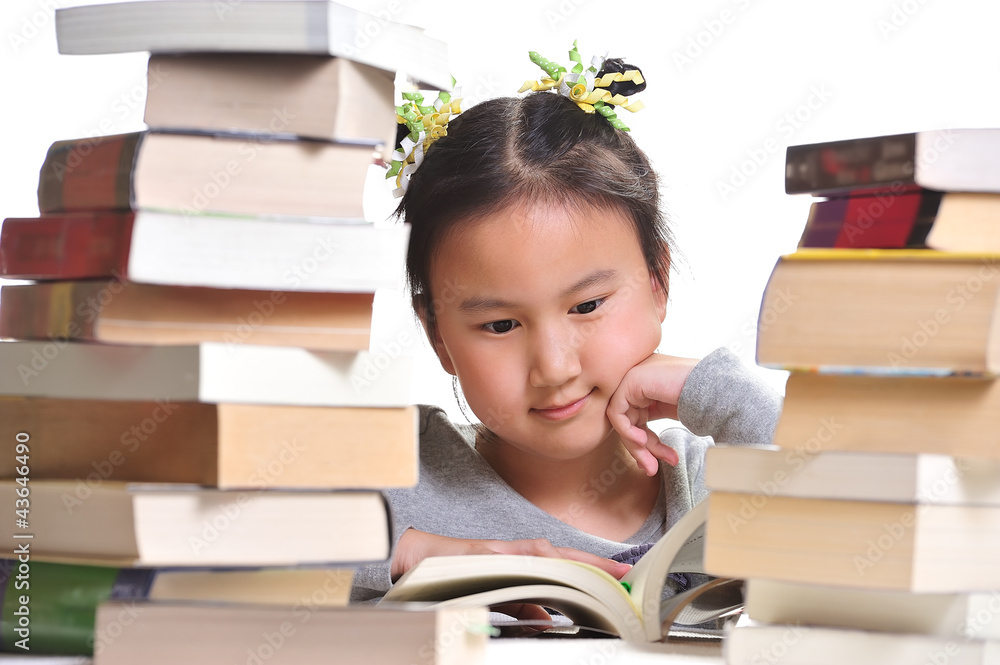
pixel 600 276
pixel 477 304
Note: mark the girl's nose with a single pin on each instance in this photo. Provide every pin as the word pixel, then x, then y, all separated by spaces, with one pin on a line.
pixel 555 359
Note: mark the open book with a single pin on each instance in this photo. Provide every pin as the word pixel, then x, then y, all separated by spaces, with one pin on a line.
pixel 633 608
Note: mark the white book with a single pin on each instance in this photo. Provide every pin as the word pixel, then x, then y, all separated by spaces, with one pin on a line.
pixel 853 475
pixel 784 644
pixel 971 614
pixel 257 26
pixel 209 372
pixel 215 251
pixel 278 253
pixel 164 525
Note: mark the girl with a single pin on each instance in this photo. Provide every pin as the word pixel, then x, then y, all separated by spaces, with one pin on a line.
pixel 539 264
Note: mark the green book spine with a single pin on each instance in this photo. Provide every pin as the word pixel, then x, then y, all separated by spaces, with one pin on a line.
pixel 50 607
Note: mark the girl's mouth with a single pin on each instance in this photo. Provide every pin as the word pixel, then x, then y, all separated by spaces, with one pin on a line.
pixel 563 411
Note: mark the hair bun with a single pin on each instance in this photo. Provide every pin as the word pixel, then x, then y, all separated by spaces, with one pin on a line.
pixel 624 88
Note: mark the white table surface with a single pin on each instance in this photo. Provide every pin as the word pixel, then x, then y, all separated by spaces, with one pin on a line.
pixel 586 651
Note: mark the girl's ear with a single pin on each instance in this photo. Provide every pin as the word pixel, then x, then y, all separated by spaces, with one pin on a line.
pixel 434 335
pixel 659 297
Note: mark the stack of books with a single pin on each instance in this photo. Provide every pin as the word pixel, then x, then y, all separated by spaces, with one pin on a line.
pixel 933 189
pixel 196 421
pixel 870 531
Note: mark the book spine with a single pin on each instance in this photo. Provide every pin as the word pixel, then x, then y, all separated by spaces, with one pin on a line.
pixel 54 310
pixel 875 163
pixel 889 221
pixel 89 174
pixel 61 602
pixel 76 246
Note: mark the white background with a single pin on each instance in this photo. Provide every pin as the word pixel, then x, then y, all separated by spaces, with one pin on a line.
pixel 731 84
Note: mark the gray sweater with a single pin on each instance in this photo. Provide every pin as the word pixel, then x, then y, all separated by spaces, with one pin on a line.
pixel 459 494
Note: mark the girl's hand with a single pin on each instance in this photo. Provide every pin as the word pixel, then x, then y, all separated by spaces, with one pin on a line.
pixel 414 546
pixel 649 391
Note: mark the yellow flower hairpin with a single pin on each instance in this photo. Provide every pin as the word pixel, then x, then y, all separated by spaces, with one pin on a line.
pixel 590 88
pixel 426 124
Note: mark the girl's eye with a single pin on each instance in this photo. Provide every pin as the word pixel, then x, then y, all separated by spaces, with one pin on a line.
pixel 587 307
pixel 501 327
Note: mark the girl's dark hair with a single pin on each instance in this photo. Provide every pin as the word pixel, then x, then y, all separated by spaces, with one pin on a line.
pixel 538 148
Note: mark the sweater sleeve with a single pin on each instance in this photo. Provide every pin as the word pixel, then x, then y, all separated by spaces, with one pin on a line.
pixel 724 400
pixel 372 581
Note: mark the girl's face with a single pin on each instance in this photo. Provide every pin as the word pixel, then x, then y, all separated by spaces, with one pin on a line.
pixel 540 313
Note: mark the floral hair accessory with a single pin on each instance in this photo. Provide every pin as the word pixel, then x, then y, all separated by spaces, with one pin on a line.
pixel 598 89
pixel 426 124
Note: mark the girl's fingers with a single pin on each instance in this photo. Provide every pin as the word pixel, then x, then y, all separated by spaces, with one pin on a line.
pixel 643 457
pixel 660 450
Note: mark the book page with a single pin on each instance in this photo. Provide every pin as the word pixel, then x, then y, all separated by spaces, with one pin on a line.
pixel 679 551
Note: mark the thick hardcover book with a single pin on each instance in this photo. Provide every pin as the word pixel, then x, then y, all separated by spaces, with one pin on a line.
pixel 255 26
pixel 63 598
pixel 821 645
pixel 922 547
pixel 968 615
pixel 960 160
pixel 314 96
pixel 164 633
pixel 853 475
pixel 167 524
pixel 902 311
pixel 949 415
pixel 196 173
pixel 117 312
pixel 230 446
pixel 286 254
pixel 212 372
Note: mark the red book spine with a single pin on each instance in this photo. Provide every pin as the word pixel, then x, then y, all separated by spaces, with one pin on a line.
pixel 887 221
pixel 89 174
pixel 74 246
